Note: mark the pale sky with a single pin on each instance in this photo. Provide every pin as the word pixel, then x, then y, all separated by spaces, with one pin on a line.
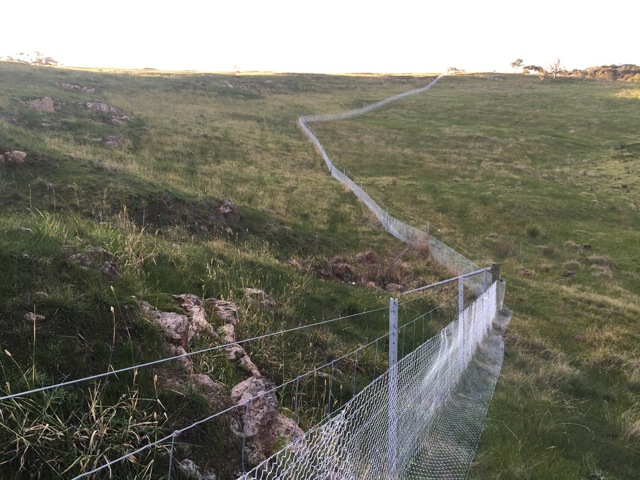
pixel 331 36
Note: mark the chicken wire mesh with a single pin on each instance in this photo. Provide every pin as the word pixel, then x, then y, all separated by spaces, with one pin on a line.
pixel 421 419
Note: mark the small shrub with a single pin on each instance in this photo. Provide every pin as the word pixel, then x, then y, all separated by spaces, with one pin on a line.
pixel 604 272
pixel 571 244
pixel 504 247
pixel 548 250
pixel 533 231
pixel 545 267
pixel 572 266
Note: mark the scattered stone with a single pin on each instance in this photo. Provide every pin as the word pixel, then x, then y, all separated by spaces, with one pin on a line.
pixel 104 107
pixel 192 472
pixel 120 121
pixel 95 256
pixel 33 318
pixel 586 246
pixel 76 88
pixel 259 297
pixel 43 104
pixel 368 257
pixel 26 230
pixel 15 156
pixel 342 271
pixel 109 270
pixel 394 288
pixel 113 141
pixel 371 285
pixel 230 211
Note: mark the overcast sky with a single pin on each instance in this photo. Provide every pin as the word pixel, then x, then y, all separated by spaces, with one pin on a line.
pixel 323 36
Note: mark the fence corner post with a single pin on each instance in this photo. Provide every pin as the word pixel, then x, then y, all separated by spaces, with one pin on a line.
pixel 495 272
pixel 392 437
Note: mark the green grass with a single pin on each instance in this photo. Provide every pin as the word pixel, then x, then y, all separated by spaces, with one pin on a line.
pixel 544 178
pixel 191 141
pixel 540 176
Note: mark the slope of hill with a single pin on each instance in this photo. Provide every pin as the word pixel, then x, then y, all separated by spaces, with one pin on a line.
pixel 118 187
pixel 123 197
pixel 545 178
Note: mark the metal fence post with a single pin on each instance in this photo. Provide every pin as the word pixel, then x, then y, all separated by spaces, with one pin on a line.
pixel 392 438
pixel 460 296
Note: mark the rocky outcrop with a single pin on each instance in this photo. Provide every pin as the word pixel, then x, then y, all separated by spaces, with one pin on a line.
pixel 44 104
pixel 228 313
pixel 118 116
pixel 14 156
pixel 113 141
pixel 259 298
pixel 96 258
pixel 76 88
pixel 230 211
pixel 257 417
pixel 261 423
pixel 104 107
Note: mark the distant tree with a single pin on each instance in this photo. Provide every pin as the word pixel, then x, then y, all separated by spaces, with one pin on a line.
pixel 454 70
pixel 535 69
pixel 556 68
pixel 35 58
pixel 517 63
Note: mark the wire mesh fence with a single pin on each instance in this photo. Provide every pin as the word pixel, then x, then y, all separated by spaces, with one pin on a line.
pixel 403 425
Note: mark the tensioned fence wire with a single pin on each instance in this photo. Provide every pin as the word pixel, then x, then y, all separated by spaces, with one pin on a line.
pixel 411 422
pixel 440 252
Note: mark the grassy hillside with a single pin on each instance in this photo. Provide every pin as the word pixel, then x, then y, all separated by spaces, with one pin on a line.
pixel 541 176
pixel 544 177
pixel 117 206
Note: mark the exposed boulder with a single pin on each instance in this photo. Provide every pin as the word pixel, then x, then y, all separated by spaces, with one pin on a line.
pixel 394 288
pixel 15 156
pixel 369 257
pixel 230 211
pixel 43 104
pixel 228 313
pixel 96 258
pixel 33 317
pixel 198 317
pixel 113 141
pixel 224 310
pixel 259 297
pixel 191 471
pixel 260 421
pixel 343 271
pixel 104 107
pixel 215 393
pixel 174 325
